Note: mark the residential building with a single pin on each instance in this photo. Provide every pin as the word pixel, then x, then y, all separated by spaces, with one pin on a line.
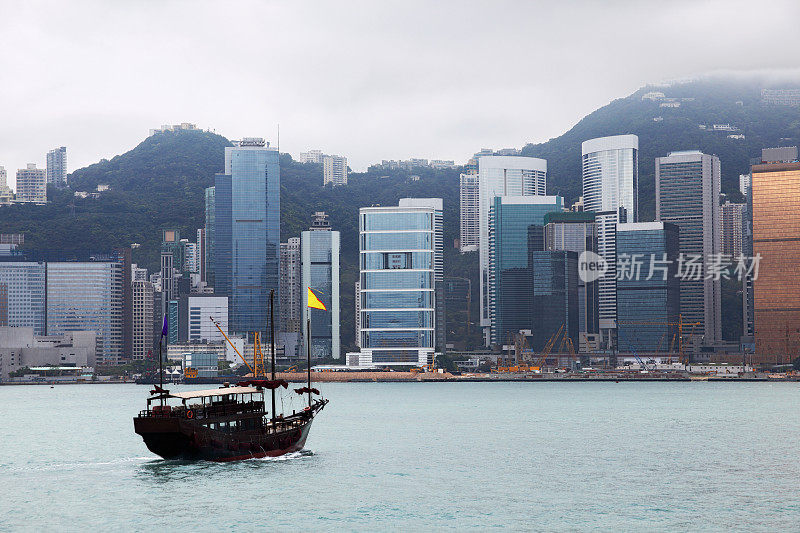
pixel 183 126
pixel 357 299
pixel 138 273
pixel 744 184
pixel 23 295
pixel 648 291
pixel 502 176
pixel 312 156
pixel 510 278
pixel 789 97
pixel 209 236
pixel 334 170
pixel 247 233
pixel 469 212
pixel 776 292
pixel 143 294
pixel 57 167
pixel 88 296
pixel 319 264
pixel 733 225
pixel 6 195
pixel 576 232
pixel 400 263
pixel 610 190
pixel 291 286
pixel 31 185
pixel 687 194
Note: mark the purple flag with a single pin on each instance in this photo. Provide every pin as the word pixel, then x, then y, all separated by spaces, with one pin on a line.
pixel 165 329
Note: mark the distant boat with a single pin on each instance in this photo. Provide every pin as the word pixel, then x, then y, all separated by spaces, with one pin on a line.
pixel 229 423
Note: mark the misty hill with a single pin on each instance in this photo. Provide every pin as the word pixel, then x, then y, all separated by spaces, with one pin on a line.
pixel 662 129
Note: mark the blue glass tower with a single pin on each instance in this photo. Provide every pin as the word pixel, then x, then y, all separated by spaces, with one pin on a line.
pixel 247 232
pixel 647 309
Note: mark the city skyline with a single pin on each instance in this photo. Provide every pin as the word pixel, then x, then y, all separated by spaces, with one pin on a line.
pixel 375 95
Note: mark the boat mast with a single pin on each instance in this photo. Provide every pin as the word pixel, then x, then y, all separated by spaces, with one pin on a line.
pixel 272 347
pixel 308 368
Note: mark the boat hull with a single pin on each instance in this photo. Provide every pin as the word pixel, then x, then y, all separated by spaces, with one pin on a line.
pixel 182 439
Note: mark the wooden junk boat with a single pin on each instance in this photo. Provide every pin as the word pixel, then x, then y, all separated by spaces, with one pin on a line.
pixel 229 423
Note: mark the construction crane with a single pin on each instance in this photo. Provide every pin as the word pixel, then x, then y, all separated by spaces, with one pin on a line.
pixel 257 368
pixel 680 324
pixel 539 362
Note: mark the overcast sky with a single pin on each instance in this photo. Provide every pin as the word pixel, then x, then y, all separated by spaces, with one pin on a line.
pixel 369 80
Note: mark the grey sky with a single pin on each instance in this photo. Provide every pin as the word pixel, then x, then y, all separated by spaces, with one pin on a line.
pixel 370 80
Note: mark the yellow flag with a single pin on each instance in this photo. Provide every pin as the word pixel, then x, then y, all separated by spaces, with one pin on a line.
pixel 313 301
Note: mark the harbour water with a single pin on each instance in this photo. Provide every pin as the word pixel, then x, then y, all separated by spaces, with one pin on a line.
pixel 425 456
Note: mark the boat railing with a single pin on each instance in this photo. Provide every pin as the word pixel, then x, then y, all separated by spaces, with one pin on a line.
pixel 201 411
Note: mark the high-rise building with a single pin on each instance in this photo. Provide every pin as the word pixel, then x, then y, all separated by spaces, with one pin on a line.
pixel 687 194
pixel 209 236
pixel 334 170
pixel 320 271
pixel 247 233
pixel 291 285
pixel 401 262
pixel 6 196
pixel 197 314
pixel 744 184
pixel 610 190
pixel 23 295
pixel 733 224
pixel 648 291
pixel 576 232
pixel 88 296
pixel 31 185
pixel 469 213
pixel 200 252
pixel 358 313
pixel 510 277
pixel 776 292
pixel 142 318
pixel 502 176
pixel 555 296
pixel 312 156
pixel 57 167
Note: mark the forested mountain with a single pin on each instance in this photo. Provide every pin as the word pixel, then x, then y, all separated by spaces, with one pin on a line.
pixel 160 183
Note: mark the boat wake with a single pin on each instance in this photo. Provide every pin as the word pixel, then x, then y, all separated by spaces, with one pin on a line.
pixel 286 457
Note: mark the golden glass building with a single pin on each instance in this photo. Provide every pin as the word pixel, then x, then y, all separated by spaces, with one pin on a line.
pixel 776 236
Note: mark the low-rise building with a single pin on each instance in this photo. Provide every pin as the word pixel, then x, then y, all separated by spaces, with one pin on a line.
pixel 20 348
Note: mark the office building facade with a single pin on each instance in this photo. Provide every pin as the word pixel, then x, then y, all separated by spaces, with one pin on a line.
pixel 197 314
pixel 776 292
pixel 23 295
pixel 610 171
pixel 57 167
pixel 88 296
pixel 515 230
pixel 502 176
pixel 576 232
pixel 648 291
pixel 400 263
pixel 247 233
pixel 319 264
pixel 31 185
pixel 687 194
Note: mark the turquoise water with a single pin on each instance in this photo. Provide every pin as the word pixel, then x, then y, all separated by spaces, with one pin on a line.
pixel 425 456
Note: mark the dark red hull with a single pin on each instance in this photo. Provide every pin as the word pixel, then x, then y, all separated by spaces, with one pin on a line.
pixel 186 439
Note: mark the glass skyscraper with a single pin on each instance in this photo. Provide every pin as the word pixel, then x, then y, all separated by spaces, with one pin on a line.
pixel 247 233
pixel 22 295
pixel 687 194
pixel 502 176
pixel 208 249
pixel 611 191
pixel 401 282
pixel 648 309
pixel 88 296
pixel 509 276
pixel 319 265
